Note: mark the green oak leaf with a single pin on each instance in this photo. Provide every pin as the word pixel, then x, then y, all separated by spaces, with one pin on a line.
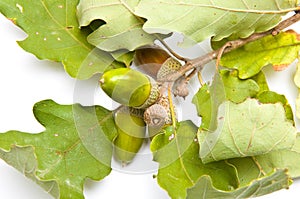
pixel 261 80
pixel 264 129
pixel 297 75
pixel 248 169
pixel 279 51
pixel 202 19
pixel 225 86
pixel 271 182
pixel 183 175
pixel 236 89
pixel 251 168
pixel 24 160
pixel 58 154
pixel 123 56
pixel 272 97
pixel 203 102
pixel 123 30
pixel 255 167
pixel 177 153
pixel 54 34
pixel 283 159
pixel 297 83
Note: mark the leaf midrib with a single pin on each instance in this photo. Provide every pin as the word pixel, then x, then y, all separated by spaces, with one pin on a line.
pixel 279 11
pixel 181 160
pixel 63 27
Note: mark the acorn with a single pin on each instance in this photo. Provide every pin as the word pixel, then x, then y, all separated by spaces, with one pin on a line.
pixel 131 134
pixel 149 59
pixel 130 87
pixel 180 87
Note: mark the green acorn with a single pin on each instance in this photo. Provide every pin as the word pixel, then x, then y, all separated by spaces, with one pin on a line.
pixel 131 134
pixel 130 87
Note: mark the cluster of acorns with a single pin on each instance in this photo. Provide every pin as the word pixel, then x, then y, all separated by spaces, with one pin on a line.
pixel 143 99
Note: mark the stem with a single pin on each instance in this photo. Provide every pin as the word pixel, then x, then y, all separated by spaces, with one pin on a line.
pixel 201 61
pixel 194 72
pixel 171 50
pixel 171 106
pixel 200 79
pixel 220 53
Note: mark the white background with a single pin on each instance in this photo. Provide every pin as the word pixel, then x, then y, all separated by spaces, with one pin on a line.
pixel 25 80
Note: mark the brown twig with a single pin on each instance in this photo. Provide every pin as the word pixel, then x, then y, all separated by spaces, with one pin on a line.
pixel 189 77
pixel 200 62
pixel 221 52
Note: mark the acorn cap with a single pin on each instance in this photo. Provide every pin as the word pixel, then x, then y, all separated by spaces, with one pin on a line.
pixel 154 95
pixel 170 66
pixel 159 113
pixel 156 115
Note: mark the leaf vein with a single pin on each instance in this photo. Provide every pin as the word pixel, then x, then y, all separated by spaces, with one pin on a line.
pixel 231 133
pixel 62 27
pixel 210 24
pixel 194 5
pixel 181 160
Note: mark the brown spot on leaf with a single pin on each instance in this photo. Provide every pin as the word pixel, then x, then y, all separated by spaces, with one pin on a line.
pixel 70 27
pixel 295 33
pixel 14 20
pixel 280 67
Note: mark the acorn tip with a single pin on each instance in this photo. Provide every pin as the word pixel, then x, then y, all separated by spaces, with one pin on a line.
pixel 101 81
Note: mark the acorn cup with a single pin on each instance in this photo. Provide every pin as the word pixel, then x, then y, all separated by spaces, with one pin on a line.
pixel 130 87
pixel 131 134
pixel 158 116
pixel 170 66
